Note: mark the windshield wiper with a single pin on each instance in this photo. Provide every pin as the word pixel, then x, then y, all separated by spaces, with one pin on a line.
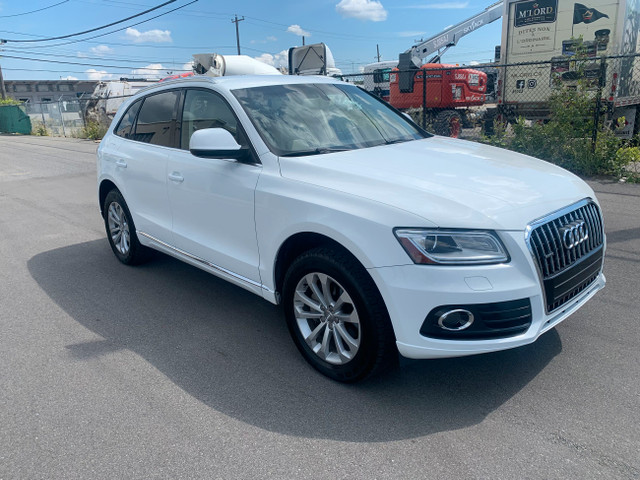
pixel 315 151
pixel 397 140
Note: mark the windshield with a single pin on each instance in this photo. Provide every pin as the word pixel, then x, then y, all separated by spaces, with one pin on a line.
pixel 306 119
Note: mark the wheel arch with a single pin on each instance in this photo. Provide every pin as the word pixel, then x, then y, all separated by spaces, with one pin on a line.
pixel 105 187
pixel 298 243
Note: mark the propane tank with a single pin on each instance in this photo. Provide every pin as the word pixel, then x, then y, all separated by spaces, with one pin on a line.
pixel 216 65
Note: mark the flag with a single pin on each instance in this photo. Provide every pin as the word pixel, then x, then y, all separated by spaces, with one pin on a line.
pixel 582 14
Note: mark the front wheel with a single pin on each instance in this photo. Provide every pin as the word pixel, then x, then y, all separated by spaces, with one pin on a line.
pixel 448 123
pixel 121 231
pixel 336 315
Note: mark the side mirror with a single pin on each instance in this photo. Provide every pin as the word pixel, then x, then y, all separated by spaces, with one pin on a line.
pixel 216 143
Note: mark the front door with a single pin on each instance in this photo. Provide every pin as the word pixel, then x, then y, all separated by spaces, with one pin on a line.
pixel 212 199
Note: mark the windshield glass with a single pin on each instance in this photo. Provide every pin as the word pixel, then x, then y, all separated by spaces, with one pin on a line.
pixel 306 119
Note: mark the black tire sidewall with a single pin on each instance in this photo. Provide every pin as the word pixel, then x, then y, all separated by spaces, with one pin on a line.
pixel 443 122
pixel 323 261
pixel 133 256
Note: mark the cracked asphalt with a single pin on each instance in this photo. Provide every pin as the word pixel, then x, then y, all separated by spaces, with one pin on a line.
pixel 164 371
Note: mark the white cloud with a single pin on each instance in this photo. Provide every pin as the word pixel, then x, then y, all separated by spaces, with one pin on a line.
pixel 93 74
pixel 297 30
pixel 188 67
pixel 278 60
pixel 440 6
pixel 101 50
pixel 474 62
pixel 411 34
pixel 362 10
pixel 270 38
pixel 68 77
pixel 152 36
pixel 153 70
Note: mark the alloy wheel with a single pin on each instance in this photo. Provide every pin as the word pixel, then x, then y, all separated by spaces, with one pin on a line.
pixel 119 228
pixel 327 318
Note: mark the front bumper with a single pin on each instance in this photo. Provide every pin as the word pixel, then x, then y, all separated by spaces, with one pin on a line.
pixel 412 291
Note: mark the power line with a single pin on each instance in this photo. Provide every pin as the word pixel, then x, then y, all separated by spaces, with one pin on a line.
pixel 225 15
pixel 34 11
pixel 118 44
pixel 75 71
pixel 87 64
pixel 120 29
pixel 128 60
pixel 93 29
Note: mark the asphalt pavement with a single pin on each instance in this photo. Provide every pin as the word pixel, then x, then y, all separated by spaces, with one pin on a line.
pixel 164 371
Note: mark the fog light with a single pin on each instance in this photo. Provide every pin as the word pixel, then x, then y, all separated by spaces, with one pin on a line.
pixel 455 320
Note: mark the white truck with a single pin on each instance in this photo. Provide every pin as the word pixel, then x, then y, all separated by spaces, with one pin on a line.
pixel 544 34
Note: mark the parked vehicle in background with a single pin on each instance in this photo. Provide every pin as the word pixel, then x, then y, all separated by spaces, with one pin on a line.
pixel 448 92
pixel 376 78
pixel 374 235
pixel 315 59
pixel 107 98
pixel 444 91
pixel 551 35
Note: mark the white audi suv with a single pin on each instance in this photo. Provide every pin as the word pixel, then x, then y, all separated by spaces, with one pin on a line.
pixel 374 235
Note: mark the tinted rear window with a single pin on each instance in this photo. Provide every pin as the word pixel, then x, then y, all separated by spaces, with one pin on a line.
pixel 156 120
pixel 124 127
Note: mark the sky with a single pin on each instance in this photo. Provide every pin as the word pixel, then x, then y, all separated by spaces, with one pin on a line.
pixel 155 47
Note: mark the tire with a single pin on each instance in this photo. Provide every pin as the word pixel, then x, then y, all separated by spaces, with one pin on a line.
pixel 121 230
pixel 488 126
pixel 336 316
pixel 448 123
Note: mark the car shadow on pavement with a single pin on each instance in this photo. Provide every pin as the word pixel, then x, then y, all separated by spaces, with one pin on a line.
pixel 231 350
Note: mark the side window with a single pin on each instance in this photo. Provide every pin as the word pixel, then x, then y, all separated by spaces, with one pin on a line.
pixel 156 120
pixel 203 109
pixel 124 127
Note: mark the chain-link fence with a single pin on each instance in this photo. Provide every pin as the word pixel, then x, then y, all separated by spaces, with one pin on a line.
pixel 465 101
pixel 74 117
pixel 450 100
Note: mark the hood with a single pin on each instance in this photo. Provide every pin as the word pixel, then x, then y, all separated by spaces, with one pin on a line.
pixel 451 183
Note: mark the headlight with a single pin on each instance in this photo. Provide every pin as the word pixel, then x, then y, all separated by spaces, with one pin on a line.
pixel 452 247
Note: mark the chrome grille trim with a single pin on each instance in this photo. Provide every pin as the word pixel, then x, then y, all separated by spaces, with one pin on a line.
pixel 552 258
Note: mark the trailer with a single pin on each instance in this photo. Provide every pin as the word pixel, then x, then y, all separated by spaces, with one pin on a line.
pixel 551 42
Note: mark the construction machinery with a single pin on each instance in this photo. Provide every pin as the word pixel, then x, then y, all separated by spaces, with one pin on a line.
pixel 445 92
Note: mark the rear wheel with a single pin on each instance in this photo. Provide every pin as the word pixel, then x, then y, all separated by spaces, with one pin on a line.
pixel 336 315
pixel 448 123
pixel 121 231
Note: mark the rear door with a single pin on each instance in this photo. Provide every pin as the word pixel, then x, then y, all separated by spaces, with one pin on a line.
pixel 142 164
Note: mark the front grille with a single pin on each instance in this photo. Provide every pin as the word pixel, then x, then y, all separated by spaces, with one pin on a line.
pixel 567 267
pixel 492 320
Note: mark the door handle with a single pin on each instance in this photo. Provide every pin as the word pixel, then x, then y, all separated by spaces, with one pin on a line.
pixel 121 163
pixel 176 177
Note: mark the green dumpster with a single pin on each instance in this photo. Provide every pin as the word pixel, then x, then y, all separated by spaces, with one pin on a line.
pixel 14 120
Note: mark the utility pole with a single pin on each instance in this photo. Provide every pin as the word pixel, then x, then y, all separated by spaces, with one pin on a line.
pixel 303 40
pixel 3 92
pixel 378 50
pixel 237 31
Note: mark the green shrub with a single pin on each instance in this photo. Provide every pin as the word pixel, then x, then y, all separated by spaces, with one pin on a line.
pixel 92 131
pixel 566 137
pixel 627 163
pixel 39 129
pixel 9 101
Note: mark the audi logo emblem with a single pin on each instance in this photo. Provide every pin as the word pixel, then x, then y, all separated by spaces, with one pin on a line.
pixel 574 233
